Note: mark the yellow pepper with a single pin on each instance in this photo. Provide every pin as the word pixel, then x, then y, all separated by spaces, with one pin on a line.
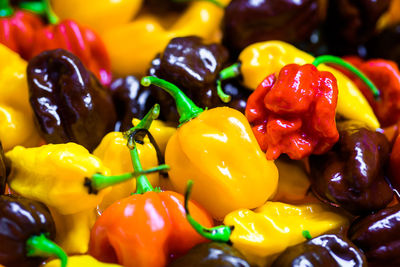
pixel 132 46
pixel 16 117
pixel 391 17
pixel 217 149
pixel 99 15
pixel 261 59
pixel 80 261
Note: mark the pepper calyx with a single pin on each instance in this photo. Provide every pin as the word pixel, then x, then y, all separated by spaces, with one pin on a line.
pixel 41 246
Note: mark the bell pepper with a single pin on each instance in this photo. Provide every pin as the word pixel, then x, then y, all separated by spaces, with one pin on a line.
pixel 80 40
pixel 27 231
pixel 98 15
pixel 385 74
pixel 147 35
pixel 79 261
pixel 16 124
pixel 18 29
pixel 262 59
pixel 295 112
pixel 217 149
pixel 262 234
pixel 147 228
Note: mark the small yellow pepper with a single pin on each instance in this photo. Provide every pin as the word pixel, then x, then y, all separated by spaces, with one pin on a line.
pixel 16 117
pixel 262 59
pixel 217 149
pixel 132 46
pixel 80 261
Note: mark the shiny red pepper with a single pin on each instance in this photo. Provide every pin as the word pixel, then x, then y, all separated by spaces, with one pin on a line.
pixel 385 75
pixel 295 113
pixel 17 30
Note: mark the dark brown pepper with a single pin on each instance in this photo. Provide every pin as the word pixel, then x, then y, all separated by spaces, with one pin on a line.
pixel 351 175
pixel 378 235
pixel 20 219
pixel 326 250
pixel 69 103
pixel 210 255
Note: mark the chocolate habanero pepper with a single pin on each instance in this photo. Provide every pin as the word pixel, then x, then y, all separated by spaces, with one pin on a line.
pixel 378 236
pixel 295 112
pixel 27 230
pixel 325 250
pixel 17 30
pixel 16 124
pixel 78 39
pixel 69 103
pixel 352 174
pixel 262 234
pixel 217 149
pixel 145 229
pixel 394 165
pixel 261 59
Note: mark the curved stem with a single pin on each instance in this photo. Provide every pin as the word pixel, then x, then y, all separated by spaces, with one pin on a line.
pixel 224 97
pixel 220 233
pixel 338 61
pixel 5 9
pixel 147 120
pixel 306 234
pixel 41 246
pixel 142 183
pixel 215 2
pixel 186 108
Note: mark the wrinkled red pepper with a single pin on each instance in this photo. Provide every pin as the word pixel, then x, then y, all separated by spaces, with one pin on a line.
pixel 386 76
pixel 295 113
pixel 17 30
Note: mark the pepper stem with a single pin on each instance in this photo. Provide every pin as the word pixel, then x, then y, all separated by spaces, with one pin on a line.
pixel 220 233
pixel 41 246
pixel 42 8
pixel 306 234
pixel 186 108
pixel 338 61
pixel 215 2
pixel 146 122
pixel 142 183
pixel 5 8
pixel 227 73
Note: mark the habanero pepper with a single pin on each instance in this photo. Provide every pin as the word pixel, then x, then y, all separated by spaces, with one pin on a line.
pixel 17 30
pixel 145 229
pixel 78 39
pixel 148 35
pixel 261 235
pixel 79 261
pixel 261 59
pixel 217 149
pixel 16 124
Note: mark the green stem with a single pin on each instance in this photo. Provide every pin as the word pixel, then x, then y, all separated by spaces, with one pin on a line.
pixel 146 122
pixel 227 73
pixel 142 183
pixel 224 97
pixel 186 108
pixel 41 246
pixel 306 234
pixel 338 61
pixel 220 233
pixel 5 9
pixel 215 2
pixel 42 8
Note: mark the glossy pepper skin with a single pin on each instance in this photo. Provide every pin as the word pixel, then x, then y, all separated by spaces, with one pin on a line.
pixel 385 74
pixel 20 219
pixel 150 36
pixel 17 31
pixel 261 59
pixel 352 175
pixel 79 261
pixel 295 112
pixel 247 22
pixel 193 66
pixel 145 230
pixel 378 236
pixel 325 250
pixel 69 103
pixel 16 124
pixel 268 230
pixel 212 254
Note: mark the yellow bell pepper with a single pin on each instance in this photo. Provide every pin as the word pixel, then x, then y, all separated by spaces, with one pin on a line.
pixel 80 261
pixel 262 59
pixel 217 149
pixel 132 46
pixel 16 117
pixel 99 15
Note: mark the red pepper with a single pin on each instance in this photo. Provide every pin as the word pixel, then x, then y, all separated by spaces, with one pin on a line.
pixel 295 113
pixel 145 229
pixel 17 30
pixel 386 76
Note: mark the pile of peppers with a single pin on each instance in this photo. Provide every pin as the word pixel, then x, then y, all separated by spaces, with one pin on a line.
pixel 199 133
